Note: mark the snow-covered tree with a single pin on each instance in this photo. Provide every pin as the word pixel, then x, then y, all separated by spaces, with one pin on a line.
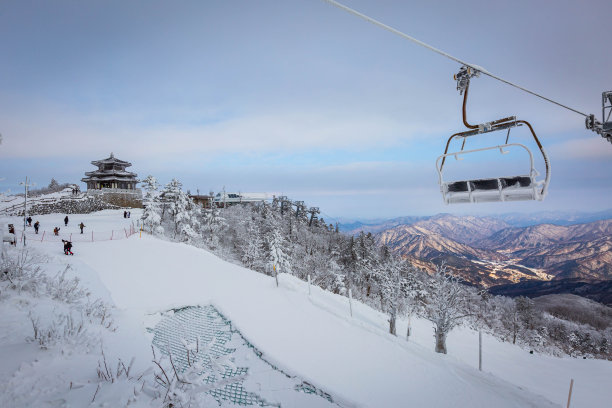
pixel 277 255
pixel 181 211
pixel 151 216
pixel 213 223
pixel 446 305
pixel 53 184
pixel 398 287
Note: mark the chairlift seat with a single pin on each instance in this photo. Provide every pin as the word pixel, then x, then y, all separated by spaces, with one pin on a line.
pixel 518 188
pixel 495 189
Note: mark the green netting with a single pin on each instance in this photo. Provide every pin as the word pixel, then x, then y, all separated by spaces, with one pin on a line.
pixel 209 328
pixel 213 330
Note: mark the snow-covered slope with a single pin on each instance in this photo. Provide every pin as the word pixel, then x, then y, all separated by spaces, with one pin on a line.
pixel 313 336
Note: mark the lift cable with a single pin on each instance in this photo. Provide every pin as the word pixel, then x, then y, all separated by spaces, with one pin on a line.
pixel 444 54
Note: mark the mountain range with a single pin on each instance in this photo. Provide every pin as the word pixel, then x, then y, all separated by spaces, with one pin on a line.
pixel 512 219
pixel 487 251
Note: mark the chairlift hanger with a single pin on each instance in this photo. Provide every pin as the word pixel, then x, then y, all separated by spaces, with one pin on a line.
pixel 508 188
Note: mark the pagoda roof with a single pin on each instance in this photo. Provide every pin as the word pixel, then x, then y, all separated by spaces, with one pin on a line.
pixel 115 173
pixel 107 178
pixel 111 160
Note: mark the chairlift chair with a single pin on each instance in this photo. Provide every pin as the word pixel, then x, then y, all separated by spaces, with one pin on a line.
pixel 522 187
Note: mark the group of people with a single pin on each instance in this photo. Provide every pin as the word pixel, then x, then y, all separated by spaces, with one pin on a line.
pixel 56 230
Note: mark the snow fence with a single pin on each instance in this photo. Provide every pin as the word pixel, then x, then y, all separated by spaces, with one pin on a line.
pixel 263 384
pixel 86 236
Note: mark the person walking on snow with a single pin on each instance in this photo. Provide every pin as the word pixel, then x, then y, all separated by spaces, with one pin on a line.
pixel 56 230
pixel 36 226
pixel 81 226
pixel 29 220
pixel 66 221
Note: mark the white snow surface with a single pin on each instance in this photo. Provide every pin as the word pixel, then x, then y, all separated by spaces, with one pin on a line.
pixel 313 336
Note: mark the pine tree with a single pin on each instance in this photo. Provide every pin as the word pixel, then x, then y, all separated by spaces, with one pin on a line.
pixel 181 211
pixel 151 216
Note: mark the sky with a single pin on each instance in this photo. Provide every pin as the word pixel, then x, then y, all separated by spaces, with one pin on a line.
pixel 300 98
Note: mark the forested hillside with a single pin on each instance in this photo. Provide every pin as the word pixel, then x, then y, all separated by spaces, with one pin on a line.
pixel 281 237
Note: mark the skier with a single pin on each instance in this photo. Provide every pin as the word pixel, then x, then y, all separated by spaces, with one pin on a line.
pixel 36 226
pixel 56 231
pixel 81 226
pixel 124 214
pixel 66 221
pixel 29 220
pixel 67 247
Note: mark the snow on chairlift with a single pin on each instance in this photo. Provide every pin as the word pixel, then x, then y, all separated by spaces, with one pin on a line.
pixel 604 128
pixel 522 187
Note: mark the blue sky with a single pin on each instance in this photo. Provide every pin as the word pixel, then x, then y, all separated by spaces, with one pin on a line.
pixel 299 97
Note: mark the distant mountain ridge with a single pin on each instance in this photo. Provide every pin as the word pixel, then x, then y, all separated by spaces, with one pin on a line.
pixel 564 218
pixel 488 251
pixel 599 291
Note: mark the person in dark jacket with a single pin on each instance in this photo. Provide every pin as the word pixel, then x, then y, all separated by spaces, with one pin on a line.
pixel 29 220
pixel 67 247
pixel 36 226
pixel 81 226
pixel 56 230
pixel 66 221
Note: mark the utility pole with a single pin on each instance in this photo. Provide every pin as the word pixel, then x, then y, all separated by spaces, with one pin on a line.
pixel 25 207
pixel 479 350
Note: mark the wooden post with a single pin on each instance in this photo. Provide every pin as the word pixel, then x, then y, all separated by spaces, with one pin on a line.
pixel 275 275
pixel 43 236
pixel 140 236
pixel 351 302
pixel 479 350
pixel 569 397
pixel 112 232
pixel 70 239
pixel 308 285
pixel 92 236
pixel 408 328
pixel 124 230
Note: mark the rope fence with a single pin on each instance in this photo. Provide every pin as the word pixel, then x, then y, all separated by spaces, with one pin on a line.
pixel 86 236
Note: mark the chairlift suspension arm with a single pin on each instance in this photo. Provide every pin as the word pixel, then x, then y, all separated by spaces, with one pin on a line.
pixel 493 123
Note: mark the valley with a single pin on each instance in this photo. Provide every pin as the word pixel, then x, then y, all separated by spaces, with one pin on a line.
pixel 488 251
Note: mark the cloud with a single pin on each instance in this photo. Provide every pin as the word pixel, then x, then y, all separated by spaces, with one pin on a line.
pixel 49 132
pixel 593 147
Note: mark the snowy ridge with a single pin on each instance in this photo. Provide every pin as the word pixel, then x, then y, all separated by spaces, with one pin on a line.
pixel 313 336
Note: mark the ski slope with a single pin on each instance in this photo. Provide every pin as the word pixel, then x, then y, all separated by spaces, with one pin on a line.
pixel 311 335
